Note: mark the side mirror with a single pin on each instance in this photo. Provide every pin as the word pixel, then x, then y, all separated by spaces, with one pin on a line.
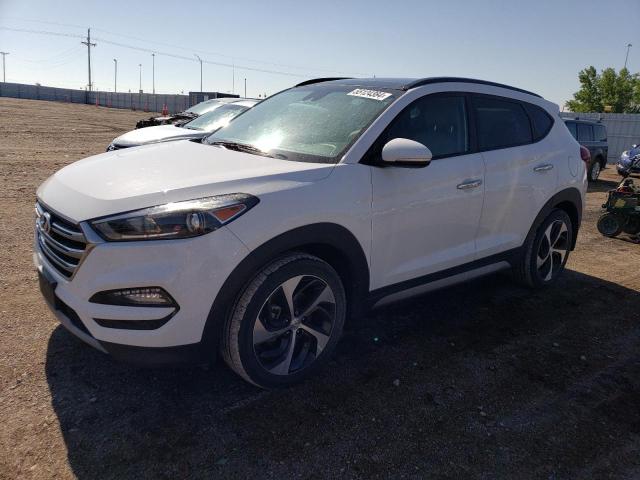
pixel 635 145
pixel 406 153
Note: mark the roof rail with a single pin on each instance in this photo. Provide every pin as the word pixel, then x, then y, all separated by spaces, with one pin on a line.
pixel 320 80
pixel 430 80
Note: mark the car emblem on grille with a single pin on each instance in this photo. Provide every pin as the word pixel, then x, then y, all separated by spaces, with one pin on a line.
pixel 44 222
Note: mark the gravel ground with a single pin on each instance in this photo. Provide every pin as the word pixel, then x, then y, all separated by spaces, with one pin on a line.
pixel 482 380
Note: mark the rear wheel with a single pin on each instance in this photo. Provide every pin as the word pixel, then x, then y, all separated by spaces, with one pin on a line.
pixel 594 171
pixel 632 226
pixel 546 252
pixel 286 322
pixel 610 225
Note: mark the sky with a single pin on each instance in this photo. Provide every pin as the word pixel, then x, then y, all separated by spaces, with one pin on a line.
pixel 537 45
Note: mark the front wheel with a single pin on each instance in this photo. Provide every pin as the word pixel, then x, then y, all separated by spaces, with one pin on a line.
pixel 286 322
pixel 610 225
pixel 545 253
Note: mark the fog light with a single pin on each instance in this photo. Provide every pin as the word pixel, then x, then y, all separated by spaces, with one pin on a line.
pixel 135 297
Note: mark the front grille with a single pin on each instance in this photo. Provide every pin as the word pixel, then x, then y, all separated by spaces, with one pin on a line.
pixel 61 242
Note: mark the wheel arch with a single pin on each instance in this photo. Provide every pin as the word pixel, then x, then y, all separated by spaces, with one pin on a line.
pixel 328 241
pixel 569 200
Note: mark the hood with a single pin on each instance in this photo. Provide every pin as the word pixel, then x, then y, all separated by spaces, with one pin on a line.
pixel 133 178
pixel 160 133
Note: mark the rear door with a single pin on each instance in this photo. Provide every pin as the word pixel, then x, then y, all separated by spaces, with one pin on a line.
pixel 520 176
pixel 425 219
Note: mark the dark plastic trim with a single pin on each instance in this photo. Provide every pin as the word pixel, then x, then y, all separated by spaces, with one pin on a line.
pixel 158 357
pixel 509 256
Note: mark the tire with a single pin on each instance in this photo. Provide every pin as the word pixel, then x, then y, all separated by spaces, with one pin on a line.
pixel 632 226
pixel 610 225
pixel 546 251
pixel 270 346
pixel 594 171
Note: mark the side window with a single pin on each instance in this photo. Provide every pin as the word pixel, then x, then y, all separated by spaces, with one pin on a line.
pixel 500 123
pixel 600 133
pixel 572 129
pixel 437 121
pixel 541 121
pixel 585 132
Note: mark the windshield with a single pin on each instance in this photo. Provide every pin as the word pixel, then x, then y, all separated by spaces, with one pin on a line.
pixel 204 107
pixel 314 123
pixel 215 119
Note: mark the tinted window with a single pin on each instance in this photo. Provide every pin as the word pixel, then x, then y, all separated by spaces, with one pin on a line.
pixel 600 133
pixel 540 120
pixel 572 128
pixel 500 123
pixel 585 132
pixel 439 122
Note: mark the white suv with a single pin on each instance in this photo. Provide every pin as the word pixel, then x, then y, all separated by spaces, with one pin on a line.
pixel 328 197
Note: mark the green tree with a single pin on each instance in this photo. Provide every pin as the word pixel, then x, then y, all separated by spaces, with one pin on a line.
pixel 619 91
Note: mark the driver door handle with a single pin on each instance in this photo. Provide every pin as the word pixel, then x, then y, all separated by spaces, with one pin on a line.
pixel 543 168
pixel 468 185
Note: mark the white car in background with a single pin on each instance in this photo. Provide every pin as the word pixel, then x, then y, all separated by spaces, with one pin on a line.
pixel 197 128
pixel 324 199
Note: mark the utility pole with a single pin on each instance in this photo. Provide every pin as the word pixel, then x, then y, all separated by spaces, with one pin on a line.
pixel 233 78
pixel 200 60
pixel 89 45
pixel 245 88
pixel 4 73
pixel 627 57
pixel 140 65
pixel 115 76
pixel 153 72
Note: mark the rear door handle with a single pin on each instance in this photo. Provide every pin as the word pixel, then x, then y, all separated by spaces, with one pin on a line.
pixel 543 168
pixel 468 185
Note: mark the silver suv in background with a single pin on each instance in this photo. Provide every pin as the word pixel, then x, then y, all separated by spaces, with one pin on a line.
pixel 195 129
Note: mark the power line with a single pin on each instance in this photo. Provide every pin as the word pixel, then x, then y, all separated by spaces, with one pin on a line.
pixel 210 62
pixel 43 32
pixel 188 49
pixel 184 57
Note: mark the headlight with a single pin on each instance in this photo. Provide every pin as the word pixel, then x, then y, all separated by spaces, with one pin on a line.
pixel 186 219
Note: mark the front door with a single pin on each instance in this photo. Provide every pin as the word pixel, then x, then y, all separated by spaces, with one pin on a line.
pixel 425 219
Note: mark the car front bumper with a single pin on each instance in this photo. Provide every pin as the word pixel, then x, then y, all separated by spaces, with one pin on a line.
pixel 192 271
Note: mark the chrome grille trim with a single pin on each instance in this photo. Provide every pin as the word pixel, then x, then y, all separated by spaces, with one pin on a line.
pixel 55 259
pixel 59 247
pixel 61 242
pixel 64 232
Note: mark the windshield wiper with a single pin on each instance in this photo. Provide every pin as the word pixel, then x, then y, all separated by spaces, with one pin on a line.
pixel 242 147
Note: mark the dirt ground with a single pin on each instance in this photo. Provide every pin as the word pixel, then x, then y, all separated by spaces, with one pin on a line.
pixel 483 380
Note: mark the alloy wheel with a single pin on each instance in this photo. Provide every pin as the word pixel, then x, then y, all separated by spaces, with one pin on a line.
pixel 294 325
pixel 553 249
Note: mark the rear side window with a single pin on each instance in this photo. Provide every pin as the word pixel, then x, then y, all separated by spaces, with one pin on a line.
pixel 585 132
pixel 500 123
pixel 541 121
pixel 572 129
pixel 437 121
pixel 600 133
